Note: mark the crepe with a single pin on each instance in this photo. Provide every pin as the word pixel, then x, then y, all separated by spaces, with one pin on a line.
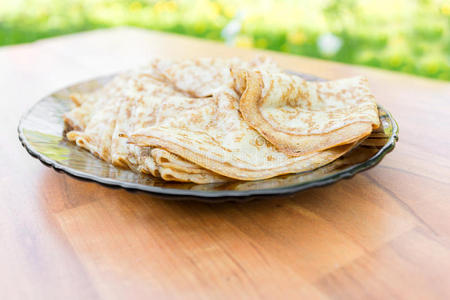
pixel 173 167
pixel 86 105
pixel 92 124
pixel 204 77
pixel 102 119
pixel 211 133
pixel 193 121
pixel 143 95
pixel 300 117
pixel 145 106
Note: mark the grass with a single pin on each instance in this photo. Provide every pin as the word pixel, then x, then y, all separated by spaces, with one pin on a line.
pixel 411 36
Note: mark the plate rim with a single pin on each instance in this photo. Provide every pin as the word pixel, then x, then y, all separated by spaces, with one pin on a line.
pixel 329 179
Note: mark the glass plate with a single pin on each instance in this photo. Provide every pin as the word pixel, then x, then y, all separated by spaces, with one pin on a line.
pixel 41 133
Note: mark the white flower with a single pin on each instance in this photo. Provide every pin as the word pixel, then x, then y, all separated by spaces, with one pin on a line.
pixel 329 44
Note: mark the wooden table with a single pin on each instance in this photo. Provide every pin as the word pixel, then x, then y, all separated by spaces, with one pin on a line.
pixel 382 234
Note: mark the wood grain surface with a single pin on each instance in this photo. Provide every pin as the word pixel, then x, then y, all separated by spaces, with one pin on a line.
pixel 382 234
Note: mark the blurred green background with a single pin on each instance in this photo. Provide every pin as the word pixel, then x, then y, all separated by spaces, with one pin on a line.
pixel 411 36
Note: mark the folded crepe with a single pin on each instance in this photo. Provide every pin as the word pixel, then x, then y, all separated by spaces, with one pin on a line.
pixel 211 133
pixel 300 117
pixel 203 77
pixel 171 167
pixel 192 121
pixel 86 105
pixel 101 120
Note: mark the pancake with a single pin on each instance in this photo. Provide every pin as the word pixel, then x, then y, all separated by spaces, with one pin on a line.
pixel 212 134
pixel 300 117
pixel 172 167
pixel 140 105
pixel 203 77
pixel 102 119
pixel 95 135
pixel 86 105
pixel 194 120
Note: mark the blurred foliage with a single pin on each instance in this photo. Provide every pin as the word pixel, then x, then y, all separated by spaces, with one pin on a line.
pixel 411 36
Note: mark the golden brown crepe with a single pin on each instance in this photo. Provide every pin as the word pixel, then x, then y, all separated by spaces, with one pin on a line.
pixel 86 105
pixel 212 134
pixel 127 101
pixel 101 120
pixel 193 120
pixel 300 117
pixel 204 77
pixel 94 130
pixel 173 167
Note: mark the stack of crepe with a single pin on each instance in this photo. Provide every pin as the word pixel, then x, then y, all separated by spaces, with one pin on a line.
pixel 213 120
